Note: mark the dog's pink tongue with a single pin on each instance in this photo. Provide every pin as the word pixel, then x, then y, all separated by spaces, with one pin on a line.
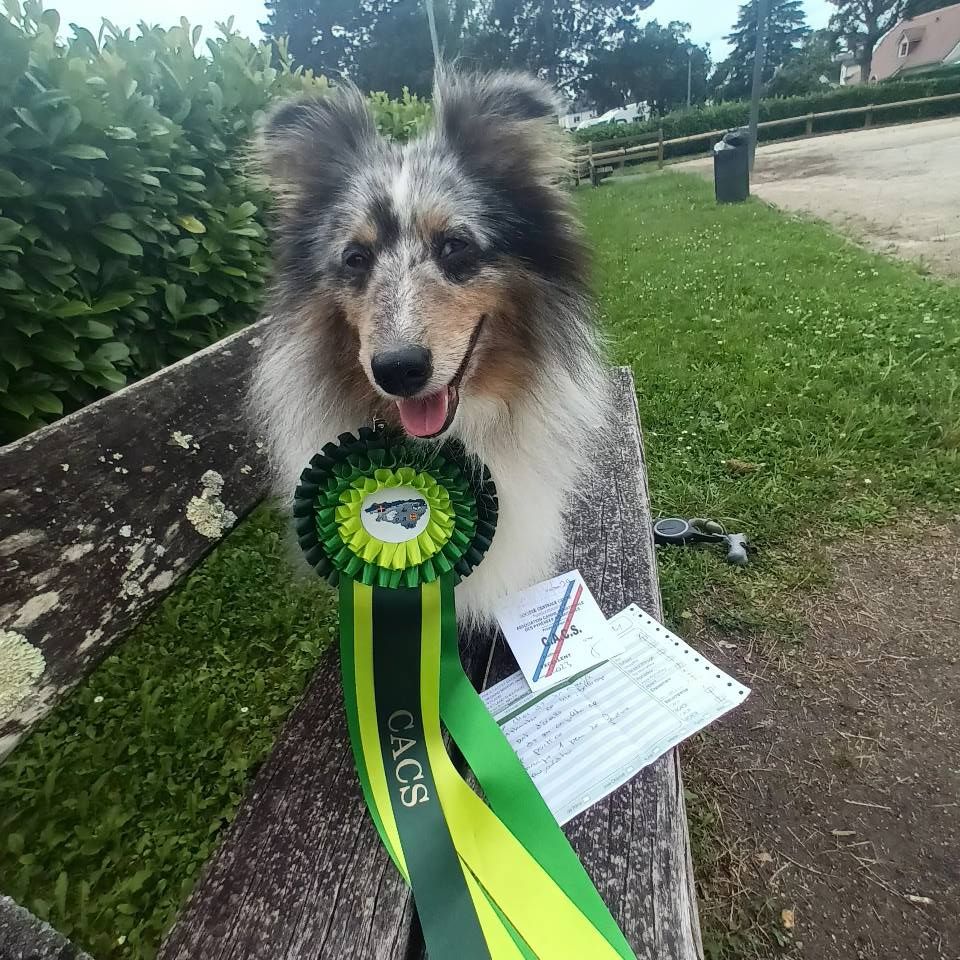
pixel 424 416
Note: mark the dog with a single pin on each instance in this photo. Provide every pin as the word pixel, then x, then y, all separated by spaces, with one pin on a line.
pixel 440 285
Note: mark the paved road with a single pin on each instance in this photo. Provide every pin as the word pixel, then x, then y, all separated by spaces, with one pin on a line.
pixel 897 189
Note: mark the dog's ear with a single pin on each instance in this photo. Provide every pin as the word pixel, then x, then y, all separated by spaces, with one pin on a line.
pixel 503 118
pixel 315 143
pixel 500 97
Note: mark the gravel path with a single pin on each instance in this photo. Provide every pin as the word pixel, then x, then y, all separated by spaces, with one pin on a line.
pixel 896 189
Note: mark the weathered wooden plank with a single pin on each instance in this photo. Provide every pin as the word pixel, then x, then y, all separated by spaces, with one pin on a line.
pixel 301 874
pixel 24 937
pixel 93 511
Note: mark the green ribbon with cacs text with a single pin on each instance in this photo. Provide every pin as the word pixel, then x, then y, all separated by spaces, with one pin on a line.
pixel 395 525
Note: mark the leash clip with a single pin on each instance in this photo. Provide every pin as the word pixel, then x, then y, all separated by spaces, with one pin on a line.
pixel 681 533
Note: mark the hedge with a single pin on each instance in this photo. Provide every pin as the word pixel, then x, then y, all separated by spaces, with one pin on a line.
pixel 722 116
pixel 130 232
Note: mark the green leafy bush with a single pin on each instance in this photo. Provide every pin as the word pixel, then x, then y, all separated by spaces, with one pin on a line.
pixel 721 116
pixel 130 231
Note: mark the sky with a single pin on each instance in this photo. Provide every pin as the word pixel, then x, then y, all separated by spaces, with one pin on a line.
pixel 709 19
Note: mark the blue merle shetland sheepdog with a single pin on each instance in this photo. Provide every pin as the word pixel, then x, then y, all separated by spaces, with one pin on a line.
pixel 440 285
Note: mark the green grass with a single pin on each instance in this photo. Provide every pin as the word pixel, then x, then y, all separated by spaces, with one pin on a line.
pixel 753 336
pixel 769 340
pixel 772 340
pixel 110 809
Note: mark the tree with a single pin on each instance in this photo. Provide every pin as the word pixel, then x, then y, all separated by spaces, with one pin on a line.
pixel 914 8
pixel 811 69
pixel 385 44
pixel 553 38
pixel 861 23
pixel 648 65
pixel 323 34
pixel 379 44
pixel 396 51
pixel 786 30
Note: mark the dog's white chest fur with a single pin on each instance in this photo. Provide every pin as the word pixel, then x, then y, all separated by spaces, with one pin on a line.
pixel 539 456
pixel 527 542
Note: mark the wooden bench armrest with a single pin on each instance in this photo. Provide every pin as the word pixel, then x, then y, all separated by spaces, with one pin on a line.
pixel 24 937
pixel 93 523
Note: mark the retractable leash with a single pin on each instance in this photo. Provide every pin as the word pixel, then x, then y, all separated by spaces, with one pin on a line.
pixel 682 533
pixel 395 525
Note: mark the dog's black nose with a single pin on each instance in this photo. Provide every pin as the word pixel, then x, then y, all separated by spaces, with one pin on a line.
pixel 404 371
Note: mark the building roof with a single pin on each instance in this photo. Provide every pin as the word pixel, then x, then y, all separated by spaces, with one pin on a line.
pixel 933 35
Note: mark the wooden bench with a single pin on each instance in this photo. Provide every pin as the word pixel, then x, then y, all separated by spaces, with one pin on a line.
pixel 87 550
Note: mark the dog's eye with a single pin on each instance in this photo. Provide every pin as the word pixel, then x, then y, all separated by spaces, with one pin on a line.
pixel 452 247
pixel 457 257
pixel 357 259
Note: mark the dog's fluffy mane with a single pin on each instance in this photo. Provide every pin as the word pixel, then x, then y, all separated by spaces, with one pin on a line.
pixel 533 401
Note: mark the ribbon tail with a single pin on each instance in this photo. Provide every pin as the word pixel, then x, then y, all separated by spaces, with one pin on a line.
pixel 536 905
pixel 506 784
pixel 356 650
pixel 489 884
pixel 403 710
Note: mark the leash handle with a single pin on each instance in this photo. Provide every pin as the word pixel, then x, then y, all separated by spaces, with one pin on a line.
pixel 679 532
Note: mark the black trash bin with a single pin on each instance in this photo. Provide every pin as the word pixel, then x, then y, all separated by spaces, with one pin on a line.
pixel 731 167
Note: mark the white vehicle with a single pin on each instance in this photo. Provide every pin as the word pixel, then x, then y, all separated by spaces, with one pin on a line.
pixel 570 121
pixel 631 113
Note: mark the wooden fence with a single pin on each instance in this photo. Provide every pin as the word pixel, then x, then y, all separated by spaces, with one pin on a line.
pixel 591 163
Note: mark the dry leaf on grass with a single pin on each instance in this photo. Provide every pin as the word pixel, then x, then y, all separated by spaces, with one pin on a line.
pixel 741 466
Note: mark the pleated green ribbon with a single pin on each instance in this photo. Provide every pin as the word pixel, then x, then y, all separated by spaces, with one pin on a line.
pixel 395 526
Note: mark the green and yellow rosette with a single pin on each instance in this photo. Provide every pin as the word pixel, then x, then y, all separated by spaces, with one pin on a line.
pixel 394 525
